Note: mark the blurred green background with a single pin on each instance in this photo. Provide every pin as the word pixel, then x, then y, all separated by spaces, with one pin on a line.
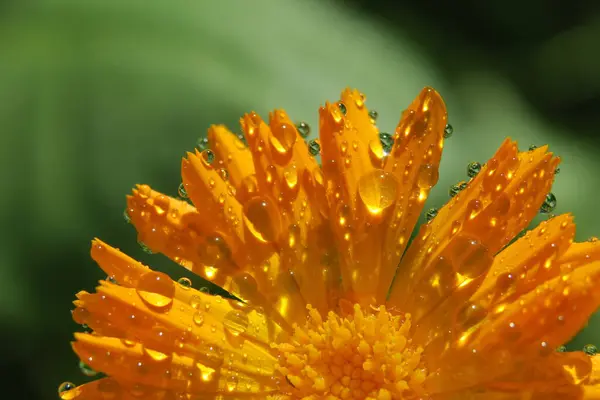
pixel 97 95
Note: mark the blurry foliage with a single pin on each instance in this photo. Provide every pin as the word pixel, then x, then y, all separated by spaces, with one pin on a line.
pixel 98 95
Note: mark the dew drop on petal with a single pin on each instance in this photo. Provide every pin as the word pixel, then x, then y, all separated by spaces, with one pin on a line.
pixel 126 216
pixel 198 318
pixel 214 251
pixel 157 290
pixel 244 285
pixel 68 391
pixel 473 169
pixel 387 141
pixel 590 349
pixel 549 204
pixel 431 213
pixel 378 190
pixel 145 247
pixel 181 191
pixel 342 107
pixel 448 131
pixel 314 147
pixel 373 115
pixel 86 369
pixel 184 282
pixel 283 138
pixel 262 219
pixel 207 156
pixel 303 129
pixel 236 322
pixel 202 143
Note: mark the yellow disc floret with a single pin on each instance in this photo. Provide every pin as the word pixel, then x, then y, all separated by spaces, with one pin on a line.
pixel 363 355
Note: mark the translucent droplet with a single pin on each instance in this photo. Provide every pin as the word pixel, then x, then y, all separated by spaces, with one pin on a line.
pixel 223 174
pixel 471 257
pixel 561 349
pixel 202 143
pixel 387 141
pixel 185 283
pixel 112 280
pixel 431 213
pixel 214 251
pixel 428 176
pixel 181 191
pixel 262 219
pixel 314 147
pixel 235 322
pixel 303 129
pixel 198 318
pixel 342 107
pixel 456 188
pixel 208 156
pixel 448 131
pixel 590 349
pixel 156 290
pixel 549 204
pixel 204 289
pixel 244 285
pixel 86 369
pixel 145 248
pixel 532 147
pixel 378 190
pixel 126 216
pixel 473 169
pixel 373 115
pixel 283 138
pixel 557 171
pixel 195 301
pixel 68 391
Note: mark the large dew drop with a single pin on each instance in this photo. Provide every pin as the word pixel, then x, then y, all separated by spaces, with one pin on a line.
pixel 214 251
pixel 68 391
pixel 156 290
pixel 262 219
pixel 378 191
pixel 283 138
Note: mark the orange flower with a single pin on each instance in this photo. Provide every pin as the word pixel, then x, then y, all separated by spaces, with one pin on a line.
pixel 330 301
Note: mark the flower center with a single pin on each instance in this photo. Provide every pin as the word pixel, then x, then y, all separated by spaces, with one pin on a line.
pixel 363 355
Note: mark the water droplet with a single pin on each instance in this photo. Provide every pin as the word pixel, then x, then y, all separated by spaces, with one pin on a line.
pixel 471 257
pixel 456 188
pixel 126 216
pixel 431 213
pixel 204 289
pixel 387 141
pixel 185 283
pixel 86 369
pixel 262 219
pixel 557 171
pixel 68 391
pixel 473 169
pixel 214 251
pixel 236 322
pixel 112 279
pixel 549 204
pixel 145 248
pixel 156 290
pixel 532 147
pixel 181 191
pixel 198 318
pixel 342 107
pixel 303 129
pixel 373 115
pixel 378 190
pixel 223 174
pixel 428 176
pixel 195 301
pixel 208 156
pixel 244 285
pixel 561 349
pixel 590 349
pixel 592 239
pixel 314 147
pixel 202 143
pixel 448 131
pixel 283 138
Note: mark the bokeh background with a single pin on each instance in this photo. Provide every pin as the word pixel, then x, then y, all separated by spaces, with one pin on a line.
pixel 97 95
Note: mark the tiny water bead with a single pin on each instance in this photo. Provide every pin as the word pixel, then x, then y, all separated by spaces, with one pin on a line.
pixel 145 248
pixel 549 204
pixel 303 129
pixel 342 107
pixel 112 279
pixel 208 156
pixel 181 191
pixel 68 391
pixel 456 188
pixel 387 141
pixel 448 131
pixel 157 290
pixel 557 171
pixel 532 147
pixel 314 147
pixel 126 216
pixel 590 349
pixel 186 283
pixel 431 213
pixel 86 369
pixel 202 143
pixel 561 349
pixel 373 115
pixel 473 169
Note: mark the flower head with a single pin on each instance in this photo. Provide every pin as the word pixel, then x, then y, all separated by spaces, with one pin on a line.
pixel 328 300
